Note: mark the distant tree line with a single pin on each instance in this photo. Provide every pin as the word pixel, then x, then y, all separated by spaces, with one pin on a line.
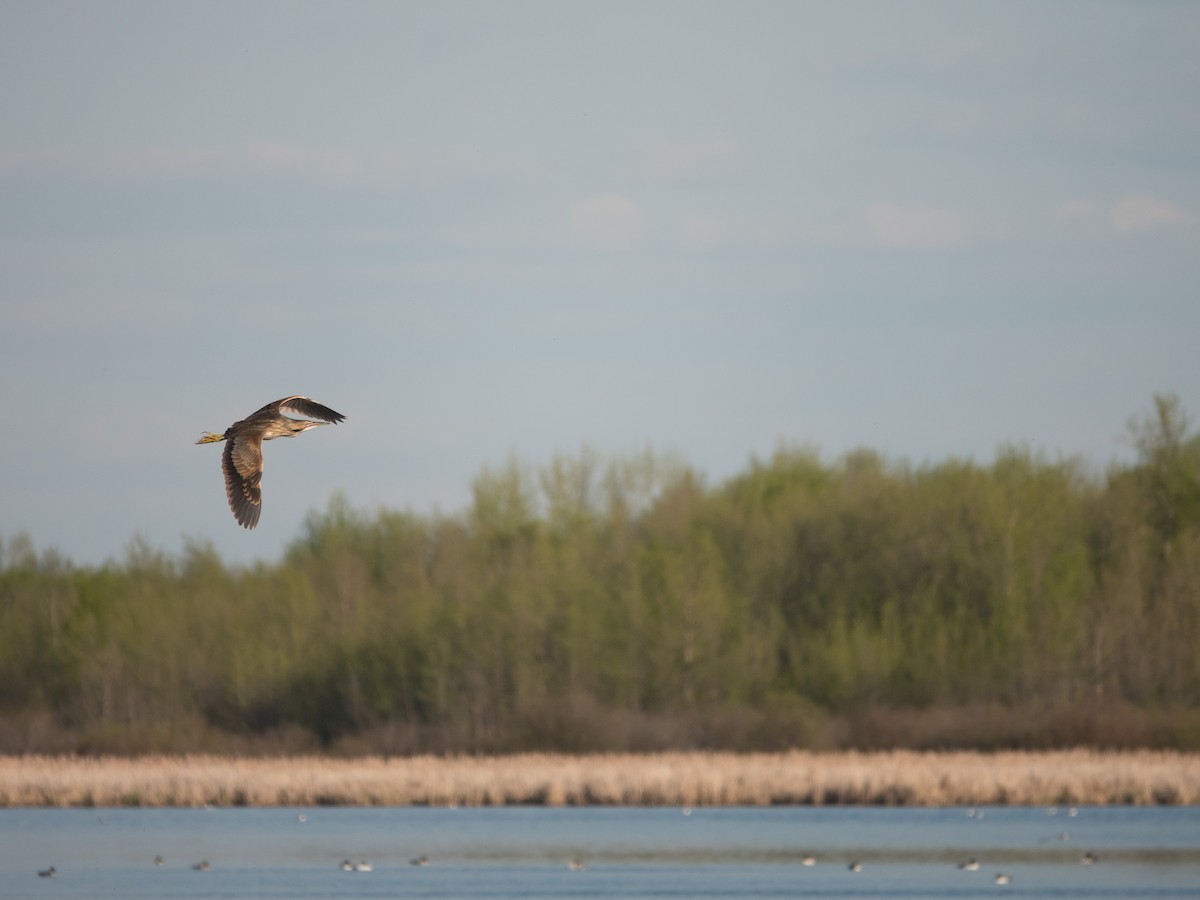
pixel 624 604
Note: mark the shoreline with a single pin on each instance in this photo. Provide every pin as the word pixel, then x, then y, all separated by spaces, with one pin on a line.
pixel 798 778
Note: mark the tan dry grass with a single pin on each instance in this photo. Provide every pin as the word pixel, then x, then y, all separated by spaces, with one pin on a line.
pixel 681 779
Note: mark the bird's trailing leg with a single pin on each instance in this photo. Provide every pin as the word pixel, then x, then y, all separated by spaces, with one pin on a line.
pixel 210 438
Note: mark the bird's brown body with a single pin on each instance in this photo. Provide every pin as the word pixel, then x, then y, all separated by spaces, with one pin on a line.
pixel 242 460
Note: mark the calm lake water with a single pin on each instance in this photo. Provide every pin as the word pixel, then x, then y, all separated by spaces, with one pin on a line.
pixel 628 853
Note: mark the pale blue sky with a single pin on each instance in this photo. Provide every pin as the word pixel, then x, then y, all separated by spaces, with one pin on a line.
pixel 489 228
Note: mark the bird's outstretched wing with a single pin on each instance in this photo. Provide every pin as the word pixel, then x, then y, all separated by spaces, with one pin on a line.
pixel 243 465
pixel 306 407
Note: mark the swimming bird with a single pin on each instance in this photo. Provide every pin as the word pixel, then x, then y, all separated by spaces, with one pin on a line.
pixel 347 866
pixel 201 866
pixel 363 866
pixel 1001 878
pixel 808 861
pixel 576 865
pixel 242 460
pixel 1088 858
pixel 419 861
pixel 971 865
pixel 855 866
pixel 158 860
pixel 47 873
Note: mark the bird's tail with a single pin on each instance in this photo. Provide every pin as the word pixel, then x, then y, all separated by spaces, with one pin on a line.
pixel 210 438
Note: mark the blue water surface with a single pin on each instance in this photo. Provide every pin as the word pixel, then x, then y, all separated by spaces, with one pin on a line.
pixel 626 852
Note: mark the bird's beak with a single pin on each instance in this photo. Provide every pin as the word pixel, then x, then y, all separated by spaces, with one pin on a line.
pixel 210 438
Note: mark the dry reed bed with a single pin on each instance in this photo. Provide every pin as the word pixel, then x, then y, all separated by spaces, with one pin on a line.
pixel 683 779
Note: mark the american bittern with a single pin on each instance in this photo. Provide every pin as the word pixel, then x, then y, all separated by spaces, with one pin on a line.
pixel 242 460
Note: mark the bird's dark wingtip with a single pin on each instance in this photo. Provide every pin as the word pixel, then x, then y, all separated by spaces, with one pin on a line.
pixel 311 408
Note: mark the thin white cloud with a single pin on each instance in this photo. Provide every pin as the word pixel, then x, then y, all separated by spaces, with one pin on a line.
pixel 1140 212
pixel 12 162
pixel 916 228
pixel 606 222
pixel 65 314
pixel 255 159
pixel 385 167
pixel 939 57
pixel 688 157
pixel 702 229
pixel 292 161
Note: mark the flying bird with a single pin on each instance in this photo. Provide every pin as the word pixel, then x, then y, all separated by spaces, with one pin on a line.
pixel 242 460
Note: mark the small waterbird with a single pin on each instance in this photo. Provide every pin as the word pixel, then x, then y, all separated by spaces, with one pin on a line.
pixel 855 866
pixel 1001 878
pixel 971 865
pixel 158 860
pixel 808 861
pixel 242 460
pixel 576 865
pixel 419 861
pixel 47 873
pixel 1088 858
pixel 201 866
